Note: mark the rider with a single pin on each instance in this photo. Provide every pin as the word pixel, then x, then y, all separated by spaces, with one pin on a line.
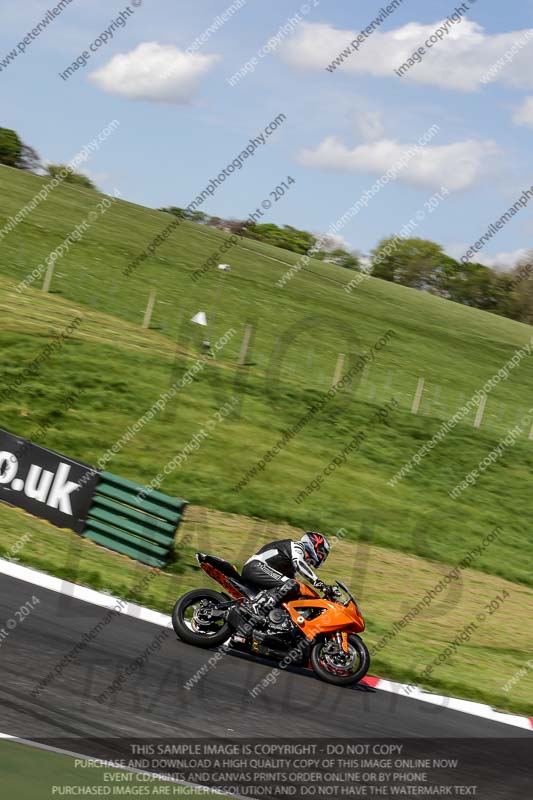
pixel 274 568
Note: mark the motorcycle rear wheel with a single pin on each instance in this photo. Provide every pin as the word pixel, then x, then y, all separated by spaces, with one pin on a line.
pixel 325 669
pixel 195 629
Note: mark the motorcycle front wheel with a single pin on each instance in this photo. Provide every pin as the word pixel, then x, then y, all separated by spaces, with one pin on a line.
pixel 337 667
pixel 193 621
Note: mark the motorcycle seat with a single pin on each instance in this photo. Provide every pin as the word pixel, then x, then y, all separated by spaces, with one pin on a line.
pixel 229 571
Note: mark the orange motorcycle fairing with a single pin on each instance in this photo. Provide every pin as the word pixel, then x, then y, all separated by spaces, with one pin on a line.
pixel 333 617
pixel 307 591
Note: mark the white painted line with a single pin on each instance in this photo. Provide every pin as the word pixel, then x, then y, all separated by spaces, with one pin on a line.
pixel 454 703
pixel 83 593
pixel 163 620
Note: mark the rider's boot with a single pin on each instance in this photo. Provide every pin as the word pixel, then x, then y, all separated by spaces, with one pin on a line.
pixel 263 603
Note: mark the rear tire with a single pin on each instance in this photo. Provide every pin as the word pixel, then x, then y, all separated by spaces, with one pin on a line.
pixel 185 632
pixel 328 674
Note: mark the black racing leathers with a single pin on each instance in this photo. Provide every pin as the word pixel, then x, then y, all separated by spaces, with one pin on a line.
pixel 276 564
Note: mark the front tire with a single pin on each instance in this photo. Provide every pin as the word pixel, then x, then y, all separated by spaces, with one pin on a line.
pixel 190 619
pixel 331 671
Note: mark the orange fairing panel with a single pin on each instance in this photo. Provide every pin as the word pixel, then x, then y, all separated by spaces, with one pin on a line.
pixel 307 591
pixel 333 618
pixel 224 581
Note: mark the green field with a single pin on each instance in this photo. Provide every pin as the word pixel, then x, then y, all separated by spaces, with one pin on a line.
pixel 120 370
pixel 30 773
pixel 299 330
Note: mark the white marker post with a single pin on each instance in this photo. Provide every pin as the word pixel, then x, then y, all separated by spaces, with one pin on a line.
pixel 48 277
pixel 480 411
pixel 224 268
pixel 338 369
pixel 245 344
pixel 201 319
pixel 418 396
pixel 149 309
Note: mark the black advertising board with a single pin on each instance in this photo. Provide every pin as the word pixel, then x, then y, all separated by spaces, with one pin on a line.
pixel 44 483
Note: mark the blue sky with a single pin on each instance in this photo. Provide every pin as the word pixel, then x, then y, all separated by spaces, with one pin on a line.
pixel 181 122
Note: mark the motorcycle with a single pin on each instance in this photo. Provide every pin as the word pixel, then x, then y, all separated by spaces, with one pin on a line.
pixel 315 631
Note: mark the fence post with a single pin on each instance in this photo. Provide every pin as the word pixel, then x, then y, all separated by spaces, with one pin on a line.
pixel 418 396
pixel 531 432
pixel 245 344
pixel 480 411
pixel 48 277
pixel 338 369
pixel 149 309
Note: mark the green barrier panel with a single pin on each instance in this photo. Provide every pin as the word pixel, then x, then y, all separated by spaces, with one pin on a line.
pixel 133 514
pixel 121 519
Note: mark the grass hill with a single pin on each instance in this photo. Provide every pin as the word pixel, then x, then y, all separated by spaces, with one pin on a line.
pixel 119 370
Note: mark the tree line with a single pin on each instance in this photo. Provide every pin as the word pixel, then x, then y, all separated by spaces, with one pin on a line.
pixel 15 153
pixel 423 264
pixel 323 248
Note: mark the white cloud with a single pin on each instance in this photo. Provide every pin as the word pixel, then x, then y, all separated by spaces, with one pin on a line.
pixel 501 262
pixel 524 115
pixel 97 177
pixel 458 61
pixel 156 72
pixel 369 124
pixel 334 241
pixel 458 166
